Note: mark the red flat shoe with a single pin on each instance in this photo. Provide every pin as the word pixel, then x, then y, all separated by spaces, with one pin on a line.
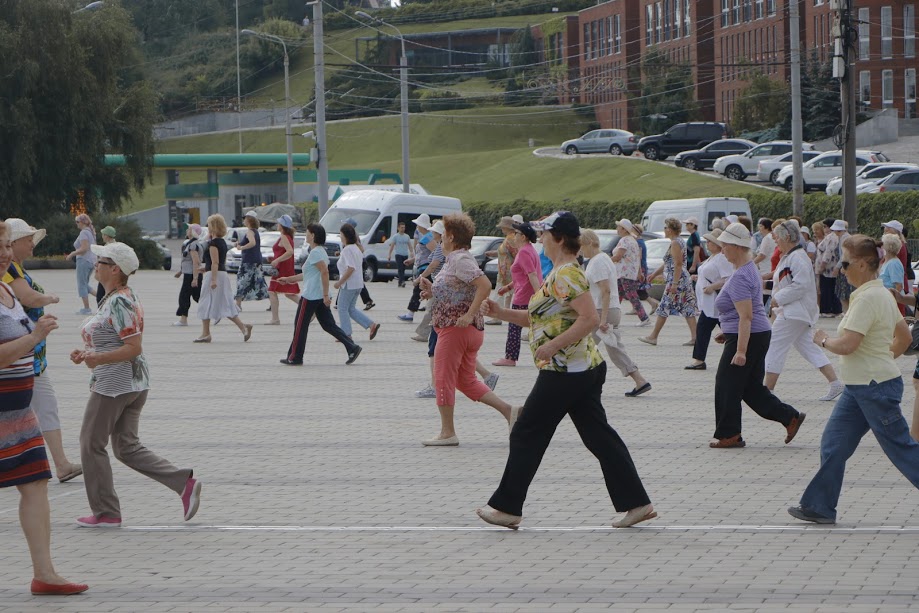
pixel 40 588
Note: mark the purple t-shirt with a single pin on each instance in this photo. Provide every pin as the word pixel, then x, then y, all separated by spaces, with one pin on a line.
pixel 744 284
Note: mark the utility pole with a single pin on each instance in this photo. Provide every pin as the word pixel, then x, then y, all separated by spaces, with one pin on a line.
pixel 322 163
pixel 239 110
pixel 797 131
pixel 844 69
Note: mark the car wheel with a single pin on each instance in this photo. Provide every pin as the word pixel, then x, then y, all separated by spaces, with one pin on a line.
pixel 790 184
pixel 571 150
pixel 774 177
pixel 370 272
pixel 652 152
pixel 167 264
pixel 735 173
pixel 690 163
pixel 615 150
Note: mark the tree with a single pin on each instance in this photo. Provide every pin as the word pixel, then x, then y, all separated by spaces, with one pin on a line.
pixel 761 105
pixel 70 95
pixel 822 108
pixel 666 93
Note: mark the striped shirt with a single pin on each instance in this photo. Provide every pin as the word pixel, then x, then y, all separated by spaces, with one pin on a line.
pixel 120 316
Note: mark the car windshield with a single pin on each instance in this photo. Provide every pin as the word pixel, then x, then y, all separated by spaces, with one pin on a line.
pixel 480 244
pixel 335 218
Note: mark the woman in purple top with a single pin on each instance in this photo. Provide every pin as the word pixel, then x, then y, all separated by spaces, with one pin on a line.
pixel 526 278
pixel 745 334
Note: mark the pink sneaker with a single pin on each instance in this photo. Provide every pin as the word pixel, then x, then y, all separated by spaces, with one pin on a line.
pixel 191 497
pixel 91 521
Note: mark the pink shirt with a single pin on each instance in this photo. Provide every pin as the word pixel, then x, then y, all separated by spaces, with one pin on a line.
pixel 526 261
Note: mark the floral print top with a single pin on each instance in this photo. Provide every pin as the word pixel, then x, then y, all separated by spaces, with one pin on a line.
pixel 506 255
pixel 551 315
pixel 631 258
pixel 120 316
pixel 454 290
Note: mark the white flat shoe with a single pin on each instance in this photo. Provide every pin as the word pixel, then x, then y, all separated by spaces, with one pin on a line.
pixel 636 516
pixel 647 340
pixel 180 324
pixel 453 441
pixel 499 518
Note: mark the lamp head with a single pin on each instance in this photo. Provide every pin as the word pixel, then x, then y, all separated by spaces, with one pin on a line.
pixel 309 134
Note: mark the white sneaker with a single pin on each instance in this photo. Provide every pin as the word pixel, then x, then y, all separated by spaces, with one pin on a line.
pixel 492 380
pixel 180 324
pixel 427 392
pixel 644 323
pixel 836 388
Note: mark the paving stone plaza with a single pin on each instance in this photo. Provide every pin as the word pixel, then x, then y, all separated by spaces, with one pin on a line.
pixel 318 495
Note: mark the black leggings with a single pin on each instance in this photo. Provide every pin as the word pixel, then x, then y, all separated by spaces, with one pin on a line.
pixel 187 293
pixel 577 395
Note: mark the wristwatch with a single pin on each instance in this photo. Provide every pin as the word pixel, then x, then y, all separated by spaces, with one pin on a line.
pixel 823 342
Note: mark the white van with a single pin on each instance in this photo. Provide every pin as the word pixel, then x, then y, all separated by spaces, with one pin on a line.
pixel 703 209
pixel 378 214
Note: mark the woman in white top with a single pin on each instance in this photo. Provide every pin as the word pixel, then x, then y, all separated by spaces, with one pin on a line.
pixel 350 283
pixel 794 303
pixel 602 275
pixel 710 277
pixel 810 247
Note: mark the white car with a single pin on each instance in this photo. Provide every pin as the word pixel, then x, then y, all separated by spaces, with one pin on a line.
pixel 870 173
pixel 768 170
pixel 821 170
pixel 739 167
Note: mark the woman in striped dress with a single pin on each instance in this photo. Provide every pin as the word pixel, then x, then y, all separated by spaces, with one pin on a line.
pixel 23 459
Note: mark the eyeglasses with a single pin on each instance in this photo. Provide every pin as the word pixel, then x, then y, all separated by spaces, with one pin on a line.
pixel 105 263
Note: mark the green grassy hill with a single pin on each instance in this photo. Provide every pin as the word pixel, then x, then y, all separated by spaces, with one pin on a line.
pixel 475 154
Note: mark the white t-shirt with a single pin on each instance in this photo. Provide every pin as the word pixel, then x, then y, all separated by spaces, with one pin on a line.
pixel 766 248
pixel 351 257
pixel 601 267
pixel 711 271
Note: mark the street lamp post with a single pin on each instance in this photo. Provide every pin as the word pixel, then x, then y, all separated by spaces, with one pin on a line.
pixel 290 143
pixel 403 83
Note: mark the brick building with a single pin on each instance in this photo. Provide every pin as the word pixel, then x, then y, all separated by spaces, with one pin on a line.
pixel 560 48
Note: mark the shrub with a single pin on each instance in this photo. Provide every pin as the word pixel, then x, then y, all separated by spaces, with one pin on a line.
pixel 62 232
pixel 441 100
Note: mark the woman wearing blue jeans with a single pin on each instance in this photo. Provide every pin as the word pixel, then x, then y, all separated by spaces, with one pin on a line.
pixel 351 283
pixel 871 400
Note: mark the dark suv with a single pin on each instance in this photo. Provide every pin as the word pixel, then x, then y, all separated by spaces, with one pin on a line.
pixel 682 137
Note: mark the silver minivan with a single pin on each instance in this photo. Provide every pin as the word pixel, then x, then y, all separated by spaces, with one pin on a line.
pixel 616 142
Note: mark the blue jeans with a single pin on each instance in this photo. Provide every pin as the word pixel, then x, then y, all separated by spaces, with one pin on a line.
pixel 347 298
pixel 874 407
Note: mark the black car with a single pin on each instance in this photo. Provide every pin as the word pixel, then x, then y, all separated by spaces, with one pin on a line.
pixel 698 159
pixel 682 137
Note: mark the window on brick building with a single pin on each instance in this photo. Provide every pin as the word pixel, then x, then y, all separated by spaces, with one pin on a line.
pixel 660 20
pixel 725 14
pixel 649 25
pixel 886 32
pixel 770 7
pixel 609 36
pixel 617 34
pixel 594 40
pixel 586 40
pixel 909 81
pixel 864 34
pixel 735 17
pixel 747 10
pixel 887 88
pixel 686 21
pixel 677 13
pixel 864 88
pixel 759 9
pixel 909 31
pixel 601 27
pixel 667 16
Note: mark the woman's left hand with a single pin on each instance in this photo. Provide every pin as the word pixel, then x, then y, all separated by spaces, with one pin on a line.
pixel 337 285
pixel 740 359
pixel 604 327
pixel 91 359
pixel 820 336
pixel 464 321
pixel 545 352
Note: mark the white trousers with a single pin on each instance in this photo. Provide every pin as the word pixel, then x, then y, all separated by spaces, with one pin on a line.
pixel 793 332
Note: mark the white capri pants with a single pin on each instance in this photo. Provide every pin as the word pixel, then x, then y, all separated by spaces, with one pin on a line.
pixel 44 403
pixel 793 332
pixel 616 352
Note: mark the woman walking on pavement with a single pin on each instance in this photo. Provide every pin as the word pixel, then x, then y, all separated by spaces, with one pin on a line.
pixel 190 271
pixel 456 296
pixel 424 247
pixel 351 283
pixel 506 253
pixel 679 298
pixel 118 386
pixel 745 333
pixel 216 301
pixel 526 278
pixel 627 257
pixel 601 274
pixel 315 300
pixel 561 317
pixel 712 275
pixel 34 300
pixel 23 459
pixel 871 335
pixel 250 283
pixel 794 304
pixel 283 264
pixel 84 258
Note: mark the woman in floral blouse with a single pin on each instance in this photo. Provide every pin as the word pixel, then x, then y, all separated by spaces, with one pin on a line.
pixel 562 318
pixel 456 296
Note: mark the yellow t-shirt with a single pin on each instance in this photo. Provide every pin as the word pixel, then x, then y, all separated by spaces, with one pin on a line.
pixel 872 312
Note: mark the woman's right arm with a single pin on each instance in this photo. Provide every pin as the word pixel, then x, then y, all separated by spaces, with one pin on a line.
pixel 29 298
pixel 618 253
pixel 519 317
pixel 15 349
pixel 250 241
pixel 288 253
pixel 745 311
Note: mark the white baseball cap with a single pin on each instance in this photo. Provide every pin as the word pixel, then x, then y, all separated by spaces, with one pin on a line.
pixel 422 221
pixel 893 224
pixel 693 220
pixel 123 256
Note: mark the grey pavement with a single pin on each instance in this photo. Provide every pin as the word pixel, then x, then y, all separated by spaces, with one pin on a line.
pixel 318 495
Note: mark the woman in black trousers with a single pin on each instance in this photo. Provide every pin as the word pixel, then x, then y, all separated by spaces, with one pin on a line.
pixel 745 333
pixel 190 271
pixel 562 317
pixel 315 300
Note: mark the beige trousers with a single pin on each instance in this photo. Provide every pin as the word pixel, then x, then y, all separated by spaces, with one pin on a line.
pixel 118 418
pixel 616 352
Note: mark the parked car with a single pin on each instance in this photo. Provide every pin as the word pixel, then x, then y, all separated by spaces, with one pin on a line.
pixel 300 247
pixel 869 174
pixel 682 137
pixel 481 244
pixel 699 159
pixel 610 238
pixel 739 167
pixel 820 170
pixel 902 181
pixel 768 170
pixel 164 251
pixel 616 142
pixel 491 266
